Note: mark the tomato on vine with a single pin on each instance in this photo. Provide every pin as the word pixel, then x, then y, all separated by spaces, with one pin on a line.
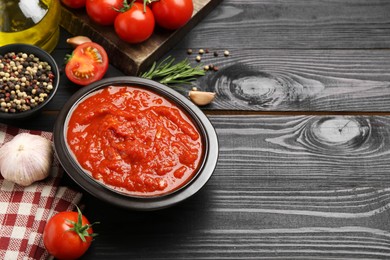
pixel 68 235
pixel 172 14
pixel 103 12
pixel 136 24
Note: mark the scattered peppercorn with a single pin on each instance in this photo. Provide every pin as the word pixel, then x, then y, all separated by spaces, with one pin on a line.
pixel 189 51
pixel 206 67
pixel 25 82
pixel 201 51
pixel 198 58
pixel 215 68
pixel 215 54
pixel 226 53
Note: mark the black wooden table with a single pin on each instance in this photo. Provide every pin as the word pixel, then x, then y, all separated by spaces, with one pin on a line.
pixel 302 116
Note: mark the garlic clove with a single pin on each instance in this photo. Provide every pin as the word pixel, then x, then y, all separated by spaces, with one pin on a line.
pixel 201 98
pixel 78 40
pixel 26 158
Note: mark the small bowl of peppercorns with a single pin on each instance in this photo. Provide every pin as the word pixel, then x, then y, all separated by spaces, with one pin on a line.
pixel 29 78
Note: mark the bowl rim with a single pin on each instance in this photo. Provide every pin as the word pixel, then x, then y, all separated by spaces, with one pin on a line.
pixel 132 202
pixel 42 55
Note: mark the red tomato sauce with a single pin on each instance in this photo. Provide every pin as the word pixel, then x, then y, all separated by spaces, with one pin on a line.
pixel 134 141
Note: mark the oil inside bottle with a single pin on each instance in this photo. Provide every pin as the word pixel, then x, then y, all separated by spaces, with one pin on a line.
pixel 30 21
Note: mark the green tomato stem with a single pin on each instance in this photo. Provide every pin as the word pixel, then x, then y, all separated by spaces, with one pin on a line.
pixel 82 231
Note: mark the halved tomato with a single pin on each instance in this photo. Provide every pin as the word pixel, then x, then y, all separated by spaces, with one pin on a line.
pixel 88 63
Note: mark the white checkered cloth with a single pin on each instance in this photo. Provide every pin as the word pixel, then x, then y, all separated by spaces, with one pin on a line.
pixel 24 211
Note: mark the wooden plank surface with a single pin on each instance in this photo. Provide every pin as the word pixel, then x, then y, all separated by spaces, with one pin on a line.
pixel 309 181
pixel 131 58
pixel 297 80
pixel 286 187
pixel 295 24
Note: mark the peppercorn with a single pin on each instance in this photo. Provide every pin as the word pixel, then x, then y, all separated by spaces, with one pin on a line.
pixel 189 51
pixel 198 58
pixel 21 73
pixel 226 53
pixel 201 51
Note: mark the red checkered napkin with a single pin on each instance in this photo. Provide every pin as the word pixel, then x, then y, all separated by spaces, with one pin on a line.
pixel 24 211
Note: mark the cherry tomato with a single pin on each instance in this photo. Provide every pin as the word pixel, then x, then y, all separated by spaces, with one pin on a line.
pixel 88 63
pixel 103 12
pixel 68 235
pixel 135 25
pixel 74 3
pixel 172 14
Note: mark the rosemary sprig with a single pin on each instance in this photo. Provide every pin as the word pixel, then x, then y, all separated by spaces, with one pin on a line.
pixel 166 72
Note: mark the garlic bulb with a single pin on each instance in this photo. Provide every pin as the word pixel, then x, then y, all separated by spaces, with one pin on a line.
pixel 26 158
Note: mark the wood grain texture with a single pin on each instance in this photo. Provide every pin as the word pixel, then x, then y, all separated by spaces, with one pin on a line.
pixel 297 80
pixel 131 58
pixel 295 24
pixel 296 55
pixel 286 187
pixel 339 151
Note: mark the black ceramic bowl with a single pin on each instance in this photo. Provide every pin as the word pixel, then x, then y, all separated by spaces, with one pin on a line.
pixel 43 56
pixel 104 192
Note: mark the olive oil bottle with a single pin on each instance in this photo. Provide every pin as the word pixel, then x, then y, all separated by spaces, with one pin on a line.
pixel 30 21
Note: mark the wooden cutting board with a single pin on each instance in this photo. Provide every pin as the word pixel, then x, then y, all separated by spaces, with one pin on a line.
pixel 132 59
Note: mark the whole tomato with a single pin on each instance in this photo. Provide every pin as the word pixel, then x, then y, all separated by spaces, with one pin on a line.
pixel 135 25
pixel 68 235
pixel 88 63
pixel 74 3
pixel 103 12
pixel 172 14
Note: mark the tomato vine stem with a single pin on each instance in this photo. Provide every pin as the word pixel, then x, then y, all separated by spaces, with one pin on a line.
pixel 80 229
